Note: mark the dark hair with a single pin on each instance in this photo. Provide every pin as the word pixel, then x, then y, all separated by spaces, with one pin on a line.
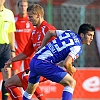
pixel 84 28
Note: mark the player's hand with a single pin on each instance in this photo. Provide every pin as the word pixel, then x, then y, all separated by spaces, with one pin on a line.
pixel 7 64
pixel 71 70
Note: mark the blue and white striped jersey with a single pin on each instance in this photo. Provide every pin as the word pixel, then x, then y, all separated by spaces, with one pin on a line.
pixel 66 43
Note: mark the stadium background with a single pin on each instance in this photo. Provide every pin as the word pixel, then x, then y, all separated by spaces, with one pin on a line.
pixel 69 14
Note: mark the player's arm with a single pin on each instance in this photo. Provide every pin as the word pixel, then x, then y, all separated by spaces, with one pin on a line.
pixel 27 51
pixel 21 56
pixel 68 65
pixel 11 35
pixel 48 36
pixel 12 43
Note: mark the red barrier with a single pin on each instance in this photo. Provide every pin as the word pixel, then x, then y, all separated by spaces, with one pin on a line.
pixel 88 85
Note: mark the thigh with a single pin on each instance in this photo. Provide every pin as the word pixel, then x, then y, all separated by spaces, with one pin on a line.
pixel 14 80
pixel 16 65
pixel 26 63
pixel 23 76
pixel 67 80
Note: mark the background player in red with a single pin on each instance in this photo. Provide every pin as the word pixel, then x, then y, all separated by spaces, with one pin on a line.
pixel 24 29
pixel 36 15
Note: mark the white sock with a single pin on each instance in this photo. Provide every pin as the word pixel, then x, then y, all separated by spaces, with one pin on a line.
pixel 69 89
pixel 29 96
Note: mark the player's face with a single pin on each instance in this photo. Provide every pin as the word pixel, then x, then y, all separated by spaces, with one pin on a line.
pixel 89 37
pixel 23 7
pixel 33 18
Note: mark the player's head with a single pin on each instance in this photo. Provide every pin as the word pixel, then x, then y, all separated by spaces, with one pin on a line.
pixel 86 32
pixel 36 14
pixel 22 6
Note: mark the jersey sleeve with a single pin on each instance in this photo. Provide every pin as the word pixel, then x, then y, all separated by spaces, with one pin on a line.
pixel 12 27
pixel 59 32
pixel 75 51
pixel 50 27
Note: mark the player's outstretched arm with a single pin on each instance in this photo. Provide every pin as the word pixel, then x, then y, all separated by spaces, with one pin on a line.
pixel 21 56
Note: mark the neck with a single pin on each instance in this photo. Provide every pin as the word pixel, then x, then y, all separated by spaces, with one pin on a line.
pixel 23 15
pixel 41 20
pixel 1 8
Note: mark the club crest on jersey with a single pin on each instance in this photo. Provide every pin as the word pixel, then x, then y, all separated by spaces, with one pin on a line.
pixel 27 25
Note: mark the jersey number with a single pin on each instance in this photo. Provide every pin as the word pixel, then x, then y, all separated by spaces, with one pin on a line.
pixel 63 44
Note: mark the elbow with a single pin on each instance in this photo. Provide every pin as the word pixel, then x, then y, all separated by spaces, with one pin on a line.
pixel 52 33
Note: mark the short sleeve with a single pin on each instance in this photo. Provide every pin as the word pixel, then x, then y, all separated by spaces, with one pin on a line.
pixel 59 32
pixel 75 52
pixel 12 27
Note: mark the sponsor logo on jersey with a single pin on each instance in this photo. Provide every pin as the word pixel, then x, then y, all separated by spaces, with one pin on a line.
pixel 23 30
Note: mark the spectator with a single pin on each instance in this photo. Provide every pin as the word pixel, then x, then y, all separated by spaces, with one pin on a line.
pixel 24 29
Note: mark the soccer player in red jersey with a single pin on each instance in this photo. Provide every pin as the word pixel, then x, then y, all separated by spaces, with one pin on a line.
pixel 36 16
pixel 24 29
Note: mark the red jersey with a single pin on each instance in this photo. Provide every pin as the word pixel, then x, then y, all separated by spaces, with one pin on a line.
pixel 37 37
pixel 24 29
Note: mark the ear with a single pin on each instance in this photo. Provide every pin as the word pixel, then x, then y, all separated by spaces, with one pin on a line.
pixel 38 15
pixel 82 35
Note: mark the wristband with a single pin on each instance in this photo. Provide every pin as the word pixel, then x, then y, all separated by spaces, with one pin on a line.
pixel 13 51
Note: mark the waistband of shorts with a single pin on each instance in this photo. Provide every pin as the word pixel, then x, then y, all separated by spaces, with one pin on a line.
pixel 45 60
pixel 4 44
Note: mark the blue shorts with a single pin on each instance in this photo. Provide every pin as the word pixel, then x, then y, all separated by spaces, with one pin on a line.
pixel 48 70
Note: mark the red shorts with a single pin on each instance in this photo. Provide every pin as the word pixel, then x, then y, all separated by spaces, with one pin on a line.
pixel 17 65
pixel 23 76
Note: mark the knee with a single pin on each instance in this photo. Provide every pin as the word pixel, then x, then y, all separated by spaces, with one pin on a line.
pixel 7 83
pixel 68 81
pixel 73 83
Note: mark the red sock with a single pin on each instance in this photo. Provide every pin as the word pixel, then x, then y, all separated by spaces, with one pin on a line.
pixel 14 92
pixel 38 93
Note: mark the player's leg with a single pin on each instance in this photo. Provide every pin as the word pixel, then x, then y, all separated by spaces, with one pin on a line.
pixel 51 72
pixel 30 89
pixel 69 84
pixel 26 63
pixel 12 85
pixel 4 90
pixel 5 52
pixel 38 93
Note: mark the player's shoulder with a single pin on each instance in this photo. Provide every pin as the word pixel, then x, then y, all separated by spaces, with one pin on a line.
pixel 7 10
pixel 48 25
pixel 8 13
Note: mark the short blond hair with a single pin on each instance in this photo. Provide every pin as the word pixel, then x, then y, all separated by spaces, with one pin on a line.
pixel 36 8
